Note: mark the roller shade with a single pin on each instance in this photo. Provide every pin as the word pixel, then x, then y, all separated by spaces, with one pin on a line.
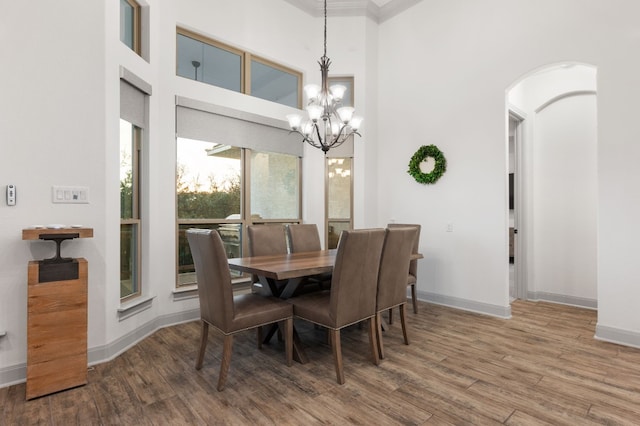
pixel 132 104
pixel 343 151
pixel 212 123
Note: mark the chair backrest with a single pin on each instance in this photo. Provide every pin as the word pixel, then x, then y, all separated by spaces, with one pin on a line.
pixel 214 278
pixel 413 265
pixel 355 276
pixel 267 239
pixel 394 267
pixel 304 237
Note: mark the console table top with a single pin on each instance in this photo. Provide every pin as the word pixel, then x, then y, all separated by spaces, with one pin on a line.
pixel 38 233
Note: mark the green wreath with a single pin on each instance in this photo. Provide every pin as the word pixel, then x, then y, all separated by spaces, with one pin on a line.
pixel 421 155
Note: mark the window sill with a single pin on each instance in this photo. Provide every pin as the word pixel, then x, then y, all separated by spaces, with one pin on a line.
pixel 185 292
pixel 134 307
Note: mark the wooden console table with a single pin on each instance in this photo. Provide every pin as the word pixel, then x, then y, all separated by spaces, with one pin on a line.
pixel 57 316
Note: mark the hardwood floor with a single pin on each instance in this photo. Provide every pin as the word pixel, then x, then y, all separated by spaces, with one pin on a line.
pixel 541 367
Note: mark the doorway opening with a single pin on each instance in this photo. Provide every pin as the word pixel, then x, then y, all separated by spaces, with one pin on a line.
pixel 516 291
pixel 552 142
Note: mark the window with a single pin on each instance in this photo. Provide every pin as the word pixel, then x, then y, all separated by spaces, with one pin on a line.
pixel 209 195
pixel 214 64
pixel 274 83
pixel 347 82
pixel 339 199
pixel 218 64
pixel 210 190
pixel 233 169
pixel 275 186
pixel 130 137
pixel 339 180
pixel 130 24
pixel 133 122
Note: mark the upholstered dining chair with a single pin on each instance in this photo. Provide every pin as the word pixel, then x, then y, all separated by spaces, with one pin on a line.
pixel 265 240
pixel 222 310
pixel 412 278
pixel 352 297
pixel 305 237
pixel 392 281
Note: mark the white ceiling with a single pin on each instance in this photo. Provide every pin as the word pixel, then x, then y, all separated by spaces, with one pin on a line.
pixel 381 3
pixel 378 10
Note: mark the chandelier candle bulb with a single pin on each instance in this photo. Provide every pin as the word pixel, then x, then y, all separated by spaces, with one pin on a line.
pixel 315 112
pixel 345 114
pixel 294 121
pixel 337 91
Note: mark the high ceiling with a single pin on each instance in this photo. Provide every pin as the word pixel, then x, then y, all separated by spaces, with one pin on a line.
pixel 379 10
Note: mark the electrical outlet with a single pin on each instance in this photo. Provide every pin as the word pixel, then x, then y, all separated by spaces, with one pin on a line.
pixel 449 227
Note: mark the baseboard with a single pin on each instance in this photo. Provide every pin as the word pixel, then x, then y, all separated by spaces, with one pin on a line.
pixel 618 336
pixel 100 354
pixel 466 305
pixel 580 302
pixel 13 375
pixel 18 373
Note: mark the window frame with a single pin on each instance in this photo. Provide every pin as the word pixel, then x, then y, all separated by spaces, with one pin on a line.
pixel 136 216
pixel 135 93
pixel 214 43
pixel 137 32
pixel 329 220
pixel 250 57
pixel 245 63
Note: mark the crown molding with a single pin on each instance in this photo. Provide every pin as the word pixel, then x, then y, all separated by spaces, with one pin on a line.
pixel 354 8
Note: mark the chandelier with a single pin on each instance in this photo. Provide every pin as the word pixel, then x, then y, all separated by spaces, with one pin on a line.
pixel 328 123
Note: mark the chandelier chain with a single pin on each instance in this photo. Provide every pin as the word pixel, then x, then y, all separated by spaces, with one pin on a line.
pixel 325 27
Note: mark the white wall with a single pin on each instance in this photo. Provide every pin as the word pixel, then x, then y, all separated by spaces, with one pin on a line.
pixel 60 118
pixel 565 197
pixel 445 84
pixel 52 132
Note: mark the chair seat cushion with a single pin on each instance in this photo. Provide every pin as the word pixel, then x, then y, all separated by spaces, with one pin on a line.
pixel 411 279
pixel 252 310
pixel 313 307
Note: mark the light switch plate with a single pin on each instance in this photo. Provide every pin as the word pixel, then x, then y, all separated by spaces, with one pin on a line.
pixel 70 194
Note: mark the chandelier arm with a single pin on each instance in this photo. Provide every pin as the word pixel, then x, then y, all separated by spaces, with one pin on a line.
pixel 318 133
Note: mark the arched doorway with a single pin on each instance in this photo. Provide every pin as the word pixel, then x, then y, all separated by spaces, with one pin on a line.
pixel 555 185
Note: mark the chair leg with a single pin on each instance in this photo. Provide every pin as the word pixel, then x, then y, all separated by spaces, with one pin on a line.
pixel 259 335
pixel 390 316
pixel 288 340
pixel 337 354
pixel 204 337
pixel 378 318
pixel 373 340
pixel 414 298
pixel 226 361
pixel 403 320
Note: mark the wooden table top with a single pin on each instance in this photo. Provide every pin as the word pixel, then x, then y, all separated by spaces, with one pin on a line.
pixel 291 265
pixel 38 233
pixel 286 266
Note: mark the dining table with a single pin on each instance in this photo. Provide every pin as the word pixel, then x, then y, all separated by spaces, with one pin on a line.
pixel 282 274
